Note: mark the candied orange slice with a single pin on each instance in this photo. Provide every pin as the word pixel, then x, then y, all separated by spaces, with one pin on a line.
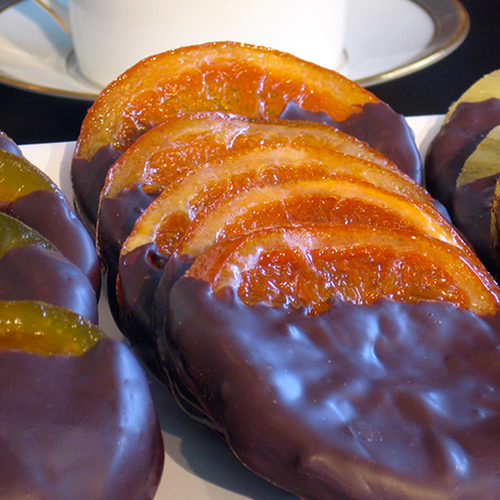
pixel 308 267
pixel 338 200
pixel 168 217
pixel 186 142
pixel 220 76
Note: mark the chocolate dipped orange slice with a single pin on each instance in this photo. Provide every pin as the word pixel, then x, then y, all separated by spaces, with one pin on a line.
pixel 179 203
pixel 231 78
pixel 343 361
pixel 342 184
pixel 389 400
pixel 67 398
pixel 31 268
pixel 185 143
pixel 309 267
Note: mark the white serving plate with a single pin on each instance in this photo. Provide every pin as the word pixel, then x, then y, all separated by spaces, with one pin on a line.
pixel 385 39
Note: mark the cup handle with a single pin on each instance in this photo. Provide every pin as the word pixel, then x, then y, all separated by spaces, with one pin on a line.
pixel 58 11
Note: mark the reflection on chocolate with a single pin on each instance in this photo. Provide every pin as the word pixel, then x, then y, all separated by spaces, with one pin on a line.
pixel 393 400
pixel 30 272
pixel 472 216
pixel 79 428
pixel 88 180
pixel 49 213
pixel 378 125
pixel 457 139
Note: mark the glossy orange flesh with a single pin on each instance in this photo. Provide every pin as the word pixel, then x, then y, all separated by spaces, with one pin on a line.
pixel 168 217
pixel 337 200
pixel 220 76
pixel 186 142
pixel 308 267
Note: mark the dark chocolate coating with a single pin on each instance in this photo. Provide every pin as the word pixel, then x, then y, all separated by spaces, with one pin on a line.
pixel 390 401
pixel 379 126
pixel 141 270
pixel 472 216
pixel 117 217
pixel 174 269
pixel 31 272
pixel 146 278
pixel 79 428
pixel 49 213
pixel 88 179
pixel 455 142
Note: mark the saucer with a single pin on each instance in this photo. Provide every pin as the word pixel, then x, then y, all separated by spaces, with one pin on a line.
pixel 37 55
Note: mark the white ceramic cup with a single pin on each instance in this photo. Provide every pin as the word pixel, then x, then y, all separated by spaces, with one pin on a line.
pixel 109 36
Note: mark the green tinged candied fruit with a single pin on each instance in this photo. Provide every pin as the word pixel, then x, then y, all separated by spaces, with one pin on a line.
pixel 44 329
pixel 14 233
pixel 484 161
pixel 19 177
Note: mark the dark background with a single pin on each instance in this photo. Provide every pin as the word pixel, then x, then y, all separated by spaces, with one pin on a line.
pixel 33 118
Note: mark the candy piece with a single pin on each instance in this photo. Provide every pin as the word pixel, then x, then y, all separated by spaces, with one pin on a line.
pixel 164 222
pixel 182 145
pixel 460 165
pixel 391 400
pixel 81 427
pixel 167 217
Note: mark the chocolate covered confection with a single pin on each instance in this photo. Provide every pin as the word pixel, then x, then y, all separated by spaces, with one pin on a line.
pixel 396 401
pixel 77 419
pixel 472 214
pixel 187 142
pixel 80 427
pixel 192 142
pixel 452 175
pixel 208 184
pixel 457 139
pixel 31 268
